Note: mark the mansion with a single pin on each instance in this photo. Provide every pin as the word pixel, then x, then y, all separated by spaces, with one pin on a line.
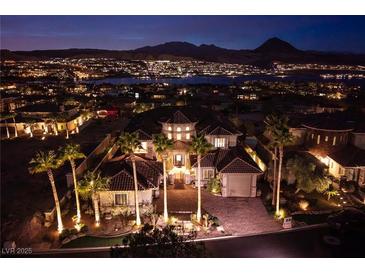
pixel 228 160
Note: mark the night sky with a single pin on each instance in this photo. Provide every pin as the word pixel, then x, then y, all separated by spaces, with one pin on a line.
pixel 328 33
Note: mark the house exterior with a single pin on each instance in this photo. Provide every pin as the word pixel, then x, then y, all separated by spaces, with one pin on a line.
pixel 235 168
pixel 337 140
pixel 119 196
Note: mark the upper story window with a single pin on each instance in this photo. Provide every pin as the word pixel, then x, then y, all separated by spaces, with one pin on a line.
pixel 220 142
pixel 318 139
pixel 326 138
pixel 169 136
pixel 334 141
pixel 170 128
pixel 178 129
pixel 187 128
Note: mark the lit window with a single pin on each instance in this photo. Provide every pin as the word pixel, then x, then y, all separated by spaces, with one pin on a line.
pixel 121 199
pixel 178 129
pixel 326 138
pixel 170 128
pixel 318 139
pixel 187 128
pixel 312 136
pixel 187 136
pixel 144 145
pixel 334 141
pixel 169 136
pixel 207 173
pixel 219 142
pixel 178 136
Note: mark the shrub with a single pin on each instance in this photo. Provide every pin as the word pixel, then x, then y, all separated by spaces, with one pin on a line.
pixel 64 234
pixel 214 185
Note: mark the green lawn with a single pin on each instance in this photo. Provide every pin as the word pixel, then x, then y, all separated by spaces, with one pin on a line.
pixel 90 241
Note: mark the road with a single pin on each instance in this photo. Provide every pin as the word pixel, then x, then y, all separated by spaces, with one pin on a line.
pixel 307 243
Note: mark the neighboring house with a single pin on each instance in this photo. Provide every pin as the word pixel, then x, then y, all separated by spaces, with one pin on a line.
pixel 42 119
pixel 238 175
pixel 120 193
pixel 235 168
pixel 348 162
pixel 337 139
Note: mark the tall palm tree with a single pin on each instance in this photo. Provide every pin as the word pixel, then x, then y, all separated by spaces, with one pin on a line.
pixel 199 146
pixel 128 143
pixel 5 118
pixel 162 145
pixel 15 129
pixel 281 136
pixel 88 188
pixel 46 162
pixel 71 152
pixel 271 122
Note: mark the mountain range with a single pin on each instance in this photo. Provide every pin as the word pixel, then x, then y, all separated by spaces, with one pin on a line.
pixel 273 50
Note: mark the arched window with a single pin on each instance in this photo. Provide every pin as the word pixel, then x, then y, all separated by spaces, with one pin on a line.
pixel 178 129
pixel 187 128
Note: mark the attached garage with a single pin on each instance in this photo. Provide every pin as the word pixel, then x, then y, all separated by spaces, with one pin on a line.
pixel 239 179
pixel 239 185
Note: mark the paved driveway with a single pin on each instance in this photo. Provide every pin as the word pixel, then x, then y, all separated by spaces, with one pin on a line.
pixel 239 216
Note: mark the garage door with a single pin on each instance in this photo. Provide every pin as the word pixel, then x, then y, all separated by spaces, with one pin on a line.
pixel 239 185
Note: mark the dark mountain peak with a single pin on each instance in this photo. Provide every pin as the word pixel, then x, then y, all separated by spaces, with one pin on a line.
pixel 169 46
pixel 276 45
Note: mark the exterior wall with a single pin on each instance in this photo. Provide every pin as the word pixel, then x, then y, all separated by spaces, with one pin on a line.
pixel 203 180
pixel 171 128
pixel 107 198
pixel 316 140
pixel 358 140
pixel 230 140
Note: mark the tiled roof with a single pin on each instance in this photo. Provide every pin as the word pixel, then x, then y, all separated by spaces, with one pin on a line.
pixel 349 156
pixel 148 174
pixel 143 136
pixel 233 160
pixel 179 118
pixel 219 130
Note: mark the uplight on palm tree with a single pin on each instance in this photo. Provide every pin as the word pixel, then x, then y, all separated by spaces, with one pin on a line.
pixel 199 146
pixel 71 152
pixel 281 137
pixel 46 162
pixel 129 143
pixel 89 187
pixel 162 145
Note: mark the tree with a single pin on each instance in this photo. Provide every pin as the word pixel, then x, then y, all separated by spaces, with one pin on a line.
pixel 281 137
pixel 152 242
pixel 199 146
pixel 5 117
pixel 46 162
pixel 271 122
pixel 162 145
pixel 308 176
pixel 71 152
pixel 89 187
pixel 128 143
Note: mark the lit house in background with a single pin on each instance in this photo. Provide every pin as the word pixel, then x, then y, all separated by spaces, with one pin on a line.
pixel 338 140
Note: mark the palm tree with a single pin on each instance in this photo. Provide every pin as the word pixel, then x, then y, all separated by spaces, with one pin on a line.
pixel 281 137
pixel 88 188
pixel 162 145
pixel 271 122
pixel 15 129
pixel 199 146
pixel 46 162
pixel 128 143
pixel 5 117
pixel 71 152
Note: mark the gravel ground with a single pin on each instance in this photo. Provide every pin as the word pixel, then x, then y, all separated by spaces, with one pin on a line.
pixel 239 216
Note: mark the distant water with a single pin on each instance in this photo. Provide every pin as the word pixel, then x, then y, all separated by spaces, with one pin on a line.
pixel 215 80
